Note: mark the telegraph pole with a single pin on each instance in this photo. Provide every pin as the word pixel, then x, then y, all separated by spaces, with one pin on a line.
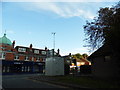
pixel 53 40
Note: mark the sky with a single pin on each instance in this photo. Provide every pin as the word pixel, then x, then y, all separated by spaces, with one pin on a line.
pixel 32 22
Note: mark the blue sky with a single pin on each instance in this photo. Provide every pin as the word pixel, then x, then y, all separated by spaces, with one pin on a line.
pixel 33 22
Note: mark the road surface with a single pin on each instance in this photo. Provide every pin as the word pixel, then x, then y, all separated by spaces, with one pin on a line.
pixel 22 81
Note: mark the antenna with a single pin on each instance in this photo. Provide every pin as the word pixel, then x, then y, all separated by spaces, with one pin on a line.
pixel 5 32
pixel 53 40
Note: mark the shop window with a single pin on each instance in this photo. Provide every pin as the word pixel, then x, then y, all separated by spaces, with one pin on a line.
pixel 3 68
pixel 8 69
pixel 22 68
pixel 28 69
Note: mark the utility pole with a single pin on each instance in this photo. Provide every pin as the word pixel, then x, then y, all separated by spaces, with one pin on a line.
pixel 53 40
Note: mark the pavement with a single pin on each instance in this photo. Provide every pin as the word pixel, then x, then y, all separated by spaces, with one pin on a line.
pixel 54 80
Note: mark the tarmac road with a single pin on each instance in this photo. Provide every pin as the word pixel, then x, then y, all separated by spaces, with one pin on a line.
pixel 22 81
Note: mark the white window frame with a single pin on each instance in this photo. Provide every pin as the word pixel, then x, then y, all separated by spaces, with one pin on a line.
pixel 26 58
pixel 43 60
pixel 20 49
pixel 38 59
pixel 2 55
pixel 51 52
pixel 43 52
pixel 36 51
pixel 16 57
pixel 32 58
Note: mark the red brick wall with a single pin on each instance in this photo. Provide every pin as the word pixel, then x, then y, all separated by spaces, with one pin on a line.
pixel 41 59
pixel 34 59
pixel 6 47
pixel 9 56
pixel 30 58
pixel 21 58
pixel 86 62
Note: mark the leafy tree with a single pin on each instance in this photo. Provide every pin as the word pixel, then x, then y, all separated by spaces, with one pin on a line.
pixel 84 55
pixel 79 56
pixel 104 29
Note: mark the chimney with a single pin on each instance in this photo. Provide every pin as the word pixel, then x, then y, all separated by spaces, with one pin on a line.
pixel 13 44
pixel 69 54
pixel 31 46
pixel 53 52
pixel 58 51
pixel 45 48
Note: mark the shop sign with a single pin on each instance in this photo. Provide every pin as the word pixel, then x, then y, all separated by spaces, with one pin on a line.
pixel 18 63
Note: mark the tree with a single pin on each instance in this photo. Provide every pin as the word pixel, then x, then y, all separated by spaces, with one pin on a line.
pixel 84 55
pixel 104 29
pixel 79 56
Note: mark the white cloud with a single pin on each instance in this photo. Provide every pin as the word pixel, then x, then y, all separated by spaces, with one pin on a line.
pixel 65 10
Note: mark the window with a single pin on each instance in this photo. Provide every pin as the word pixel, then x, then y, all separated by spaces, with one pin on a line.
pixel 43 52
pixel 51 52
pixel 3 68
pixel 2 55
pixel 30 50
pixel 55 53
pixel 36 51
pixel 107 58
pixel 32 58
pixel 26 58
pixel 38 59
pixel 44 59
pixel 21 49
pixel 16 57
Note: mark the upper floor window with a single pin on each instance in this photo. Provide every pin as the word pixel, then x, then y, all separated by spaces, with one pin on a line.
pixel 16 57
pixel 51 52
pixel 2 55
pixel 44 59
pixel 26 58
pixel 38 59
pixel 107 58
pixel 32 58
pixel 36 51
pixel 21 49
pixel 43 52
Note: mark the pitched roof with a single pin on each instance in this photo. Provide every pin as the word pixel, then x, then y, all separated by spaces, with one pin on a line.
pixel 102 51
pixel 5 40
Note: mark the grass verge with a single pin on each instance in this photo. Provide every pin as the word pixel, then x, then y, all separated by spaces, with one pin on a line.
pixel 89 81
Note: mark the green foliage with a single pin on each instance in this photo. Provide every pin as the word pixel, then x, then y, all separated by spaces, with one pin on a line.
pixel 104 29
pixel 79 56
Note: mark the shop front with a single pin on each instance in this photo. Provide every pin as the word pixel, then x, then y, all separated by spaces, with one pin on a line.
pixel 19 67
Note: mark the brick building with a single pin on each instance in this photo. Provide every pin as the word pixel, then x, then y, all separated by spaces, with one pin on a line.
pixel 22 59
